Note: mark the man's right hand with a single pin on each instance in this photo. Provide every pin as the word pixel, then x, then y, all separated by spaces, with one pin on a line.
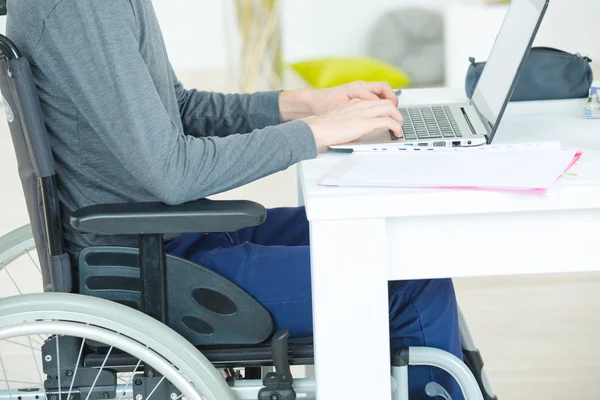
pixel 353 120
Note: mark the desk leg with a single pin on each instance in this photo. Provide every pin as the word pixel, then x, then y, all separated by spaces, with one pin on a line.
pixel 350 309
pixel 299 190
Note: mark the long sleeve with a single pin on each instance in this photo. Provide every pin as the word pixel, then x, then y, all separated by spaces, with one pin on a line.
pixel 216 114
pixel 92 49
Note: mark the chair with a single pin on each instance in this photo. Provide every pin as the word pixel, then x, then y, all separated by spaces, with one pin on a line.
pixel 230 329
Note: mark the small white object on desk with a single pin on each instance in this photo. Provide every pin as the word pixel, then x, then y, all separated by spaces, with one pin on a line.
pixel 592 107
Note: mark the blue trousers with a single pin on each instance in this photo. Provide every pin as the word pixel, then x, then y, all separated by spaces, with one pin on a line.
pixel 272 263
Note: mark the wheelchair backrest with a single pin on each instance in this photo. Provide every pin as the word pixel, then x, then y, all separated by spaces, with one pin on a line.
pixel 35 163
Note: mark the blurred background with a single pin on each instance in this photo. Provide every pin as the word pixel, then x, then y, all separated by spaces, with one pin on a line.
pixel 258 44
pixel 538 334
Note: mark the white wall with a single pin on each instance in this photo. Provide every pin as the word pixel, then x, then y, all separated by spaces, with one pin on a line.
pixel 194 32
pixel 316 28
pixel 572 25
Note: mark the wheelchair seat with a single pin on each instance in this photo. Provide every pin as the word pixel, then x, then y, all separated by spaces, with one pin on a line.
pixel 202 306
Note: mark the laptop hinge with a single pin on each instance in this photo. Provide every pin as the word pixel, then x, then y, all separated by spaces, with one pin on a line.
pixel 487 125
pixel 468 121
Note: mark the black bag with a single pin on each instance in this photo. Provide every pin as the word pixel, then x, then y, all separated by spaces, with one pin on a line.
pixel 548 74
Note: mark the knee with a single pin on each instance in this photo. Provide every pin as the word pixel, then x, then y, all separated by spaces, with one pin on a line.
pixel 443 286
pixel 425 294
pixel 423 287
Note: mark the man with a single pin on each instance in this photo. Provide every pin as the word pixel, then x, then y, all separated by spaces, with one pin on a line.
pixel 123 129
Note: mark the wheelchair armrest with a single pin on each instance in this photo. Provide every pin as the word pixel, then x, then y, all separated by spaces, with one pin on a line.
pixel 159 218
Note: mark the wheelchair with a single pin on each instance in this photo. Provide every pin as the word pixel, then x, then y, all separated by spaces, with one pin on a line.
pixel 136 323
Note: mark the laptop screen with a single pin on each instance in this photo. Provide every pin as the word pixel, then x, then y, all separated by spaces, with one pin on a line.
pixel 499 76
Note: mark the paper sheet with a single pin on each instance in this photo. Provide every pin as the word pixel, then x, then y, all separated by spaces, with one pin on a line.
pixel 528 171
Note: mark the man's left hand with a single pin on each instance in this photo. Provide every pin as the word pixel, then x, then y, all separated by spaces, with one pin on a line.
pixel 296 104
pixel 325 100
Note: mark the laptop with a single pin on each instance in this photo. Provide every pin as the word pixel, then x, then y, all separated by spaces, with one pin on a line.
pixel 474 123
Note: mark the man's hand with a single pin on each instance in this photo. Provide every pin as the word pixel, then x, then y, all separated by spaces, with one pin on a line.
pixel 353 119
pixel 297 104
pixel 325 100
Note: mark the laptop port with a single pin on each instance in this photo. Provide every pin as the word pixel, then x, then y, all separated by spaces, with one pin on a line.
pixel 439 144
pixel 456 144
pixel 423 144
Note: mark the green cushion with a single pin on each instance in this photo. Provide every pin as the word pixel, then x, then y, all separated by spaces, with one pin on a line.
pixel 330 72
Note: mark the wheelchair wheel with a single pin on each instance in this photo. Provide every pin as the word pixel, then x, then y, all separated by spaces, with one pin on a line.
pixel 58 346
pixel 19 269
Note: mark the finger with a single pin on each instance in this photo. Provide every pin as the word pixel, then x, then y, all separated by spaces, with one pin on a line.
pixel 359 91
pixel 398 134
pixel 366 104
pixel 384 110
pixel 386 123
pixel 383 90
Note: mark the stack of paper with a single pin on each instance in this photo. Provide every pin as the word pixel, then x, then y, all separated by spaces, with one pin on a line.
pixel 529 171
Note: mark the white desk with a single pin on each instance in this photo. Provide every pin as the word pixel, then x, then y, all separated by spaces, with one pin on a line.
pixel 361 238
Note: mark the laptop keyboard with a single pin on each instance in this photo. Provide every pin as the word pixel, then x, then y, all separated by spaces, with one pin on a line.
pixel 428 123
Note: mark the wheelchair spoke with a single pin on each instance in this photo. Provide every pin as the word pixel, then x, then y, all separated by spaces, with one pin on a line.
pixel 26 382
pixel 155 387
pixel 37 366
pixel 21 344
pixel 13 281
pixel 98 374
pixel 76 368
pixel 5 377
pixel 58 367
pixel 34 262
pixel 22 382
pixel 43 317
pixel 5 269
pixel 30 380
pixel 43 340
pixel 130 380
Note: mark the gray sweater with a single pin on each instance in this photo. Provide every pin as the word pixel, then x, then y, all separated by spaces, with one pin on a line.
pixel 122 127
